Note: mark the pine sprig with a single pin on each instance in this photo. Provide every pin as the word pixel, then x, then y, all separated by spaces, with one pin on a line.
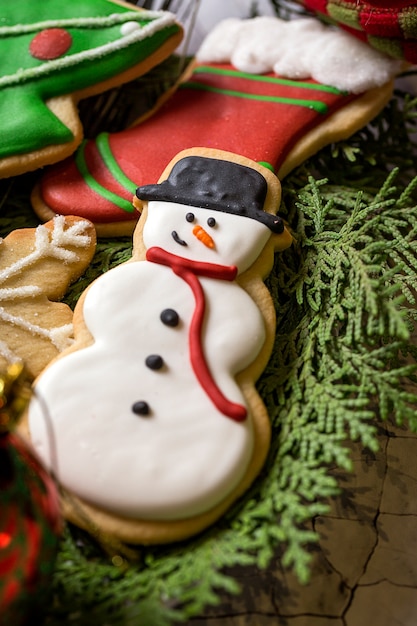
pixel 353 277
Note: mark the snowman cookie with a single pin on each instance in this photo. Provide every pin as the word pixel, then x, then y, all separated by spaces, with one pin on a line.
pixel 166 425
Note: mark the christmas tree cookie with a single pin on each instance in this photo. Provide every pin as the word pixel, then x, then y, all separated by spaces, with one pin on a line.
pixel 270 90
pixel 36 267
pixel 166 424
pixel 56 53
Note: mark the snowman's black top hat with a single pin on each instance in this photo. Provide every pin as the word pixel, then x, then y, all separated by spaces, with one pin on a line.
pixel 215 184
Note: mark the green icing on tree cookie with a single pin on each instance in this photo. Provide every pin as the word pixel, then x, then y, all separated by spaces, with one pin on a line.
pixel 88 42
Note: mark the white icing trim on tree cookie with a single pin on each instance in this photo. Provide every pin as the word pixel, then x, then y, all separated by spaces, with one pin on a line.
pixel 161 19
pixel 81 22
pixel 298 49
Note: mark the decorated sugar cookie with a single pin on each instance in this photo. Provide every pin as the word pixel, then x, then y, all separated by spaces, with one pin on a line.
pixel 253 90
pixel 56 53
pixel 36 267
pixel 166 425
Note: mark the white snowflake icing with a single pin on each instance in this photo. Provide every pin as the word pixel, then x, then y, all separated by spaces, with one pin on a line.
pixel 48 244
pixel 8 354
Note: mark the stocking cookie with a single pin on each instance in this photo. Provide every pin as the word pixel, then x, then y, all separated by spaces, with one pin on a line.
pixel 56 53
pixel 36 267
pixel 236 97
pixel 166 425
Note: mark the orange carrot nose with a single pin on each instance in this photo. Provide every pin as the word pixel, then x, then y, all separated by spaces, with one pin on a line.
pixel 203 236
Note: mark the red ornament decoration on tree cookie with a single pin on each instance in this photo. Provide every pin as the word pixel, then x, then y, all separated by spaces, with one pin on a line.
pixel 50 44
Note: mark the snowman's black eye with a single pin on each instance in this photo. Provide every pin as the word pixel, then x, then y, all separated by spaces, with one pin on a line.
pixel 190 217
pixel 211 222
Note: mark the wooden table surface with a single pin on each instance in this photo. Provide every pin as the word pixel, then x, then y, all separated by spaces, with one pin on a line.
pixel 365 565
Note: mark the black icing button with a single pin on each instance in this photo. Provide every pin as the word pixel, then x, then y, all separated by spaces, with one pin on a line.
pixel 169 317
pixel 141 408
pixel 154 362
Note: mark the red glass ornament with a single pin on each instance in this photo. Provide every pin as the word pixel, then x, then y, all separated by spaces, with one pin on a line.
pixel 30 524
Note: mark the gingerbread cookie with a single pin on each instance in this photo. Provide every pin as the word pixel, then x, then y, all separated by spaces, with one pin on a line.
pixel 282 114
pixel 55 54
pixel 36 267
pixel 166 425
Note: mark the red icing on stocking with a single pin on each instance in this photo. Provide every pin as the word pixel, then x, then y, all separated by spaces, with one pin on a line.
pixel 259 117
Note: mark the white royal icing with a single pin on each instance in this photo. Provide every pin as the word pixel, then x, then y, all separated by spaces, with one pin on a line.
pixel 185 456
pixel 8 355
pixel 49 243
pixel 298 49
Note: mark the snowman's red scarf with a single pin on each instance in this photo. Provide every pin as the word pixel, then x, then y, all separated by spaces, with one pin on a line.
pixel 189 271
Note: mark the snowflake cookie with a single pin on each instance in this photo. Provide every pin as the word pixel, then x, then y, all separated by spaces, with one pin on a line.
pixel 36 267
